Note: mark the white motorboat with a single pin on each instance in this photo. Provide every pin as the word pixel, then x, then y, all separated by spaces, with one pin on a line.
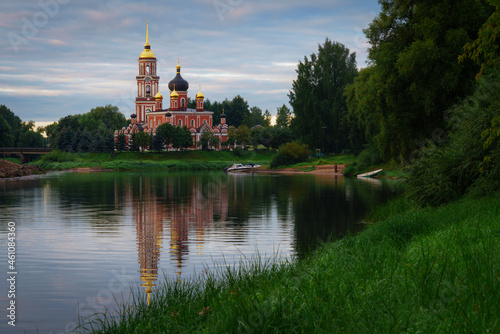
pixel 241 168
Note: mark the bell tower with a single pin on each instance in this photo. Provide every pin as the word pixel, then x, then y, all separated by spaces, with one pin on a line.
pixel 147 81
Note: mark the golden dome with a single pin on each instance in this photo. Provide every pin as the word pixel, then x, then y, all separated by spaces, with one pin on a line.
pixel 200 94
pixel 158 96
pixel 174 94
pixel 147 53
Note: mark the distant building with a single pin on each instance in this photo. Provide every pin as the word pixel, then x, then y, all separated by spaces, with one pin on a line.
pixel 149 112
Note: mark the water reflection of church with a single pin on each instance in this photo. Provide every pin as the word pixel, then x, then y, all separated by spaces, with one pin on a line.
pixel 161 212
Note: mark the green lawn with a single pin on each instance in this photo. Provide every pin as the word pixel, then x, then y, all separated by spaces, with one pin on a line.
pixel 175 160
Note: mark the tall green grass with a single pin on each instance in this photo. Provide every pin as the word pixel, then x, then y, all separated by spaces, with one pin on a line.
pixel 429 270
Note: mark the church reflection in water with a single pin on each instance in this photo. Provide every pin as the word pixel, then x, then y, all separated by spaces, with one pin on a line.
pixel 173 214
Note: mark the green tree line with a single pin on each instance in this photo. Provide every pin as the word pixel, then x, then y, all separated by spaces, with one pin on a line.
pixel 16 133
pixel 428 98
pixel 89 132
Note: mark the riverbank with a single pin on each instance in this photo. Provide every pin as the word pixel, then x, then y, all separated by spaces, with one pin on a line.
pixel 10 169
pixel 305 169
pixel 415 270
pixel 174 160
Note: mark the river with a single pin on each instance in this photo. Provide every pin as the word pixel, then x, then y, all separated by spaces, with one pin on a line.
pixel 84 240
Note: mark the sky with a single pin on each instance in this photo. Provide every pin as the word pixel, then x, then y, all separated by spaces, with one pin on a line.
pixel 65 57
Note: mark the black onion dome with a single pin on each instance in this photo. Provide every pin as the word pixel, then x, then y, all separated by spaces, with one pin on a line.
pixel 181 85
pixel 168 114
pixel 222 115
pixel 133 116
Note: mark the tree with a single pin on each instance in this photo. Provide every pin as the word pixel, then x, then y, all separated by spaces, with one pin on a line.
pixel 267 118
pixel 416 75
pixel 364 113
pixel 142 140
pixel 255 118
pixel 121 143
pixel 243 136
pixel 237 111
pixel 231 136
pixel 31 139
pixel 99 123
pixel 167 133
pixel 208 140
pixel 317 96
pixel 485 50
pixel 156 142
pixel 283 116
pixel 133 147
pixel 289 154
pixel 65 139
pixel 6 135
pixel 181 137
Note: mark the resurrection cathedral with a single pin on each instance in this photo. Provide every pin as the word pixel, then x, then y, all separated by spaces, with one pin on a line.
pixel 149 110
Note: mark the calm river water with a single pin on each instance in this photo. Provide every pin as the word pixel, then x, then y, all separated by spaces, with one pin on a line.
pixel 82 238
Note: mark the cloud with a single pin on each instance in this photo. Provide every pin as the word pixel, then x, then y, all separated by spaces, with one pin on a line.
pixel 86 54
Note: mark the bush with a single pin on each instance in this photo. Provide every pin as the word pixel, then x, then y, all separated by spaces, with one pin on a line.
pixel 467 162
pixel 370 156
pixel 289 154
pixel 58 156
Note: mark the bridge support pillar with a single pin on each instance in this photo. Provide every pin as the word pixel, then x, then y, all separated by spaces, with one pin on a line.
pixel 23 158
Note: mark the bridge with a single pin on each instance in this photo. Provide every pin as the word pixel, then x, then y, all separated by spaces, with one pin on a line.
pixel 23 152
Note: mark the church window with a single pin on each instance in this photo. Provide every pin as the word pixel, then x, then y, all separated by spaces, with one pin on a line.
pixel 180 122
pixel 148 90
pixel 147 69
pixel 192 123
pixel 182 103
pixel 148 110
pixel 204 121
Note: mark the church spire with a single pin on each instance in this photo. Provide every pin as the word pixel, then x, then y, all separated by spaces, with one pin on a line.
pixel 147 53
pixel 147 33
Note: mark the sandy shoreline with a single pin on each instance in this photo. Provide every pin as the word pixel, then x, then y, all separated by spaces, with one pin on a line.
pixel 318 170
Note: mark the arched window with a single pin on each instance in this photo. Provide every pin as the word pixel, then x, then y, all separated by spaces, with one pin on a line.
pixel 204 121
pixel 147 69
pixel 148 90
pixel 182 102
pixel 192 123
pixel 148 110
pixel 180 122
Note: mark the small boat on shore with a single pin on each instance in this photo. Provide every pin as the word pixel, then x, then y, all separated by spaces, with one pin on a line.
pixel 241 168
pixel 369 174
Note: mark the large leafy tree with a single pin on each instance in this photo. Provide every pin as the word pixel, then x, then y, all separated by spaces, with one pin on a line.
pixel 142 140
pixel 317 96
pixel 207 140
pixel 182 137
pixel 237 111
pixel 166 131
pixel 283 116
pixel 416 76
pixel 485 50
pixel 16 133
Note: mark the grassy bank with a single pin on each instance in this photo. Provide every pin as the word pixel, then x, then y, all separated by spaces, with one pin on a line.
pixel 427 270
pixel 182 160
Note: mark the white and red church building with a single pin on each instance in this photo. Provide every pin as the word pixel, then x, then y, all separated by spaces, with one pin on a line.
pixel 150 113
